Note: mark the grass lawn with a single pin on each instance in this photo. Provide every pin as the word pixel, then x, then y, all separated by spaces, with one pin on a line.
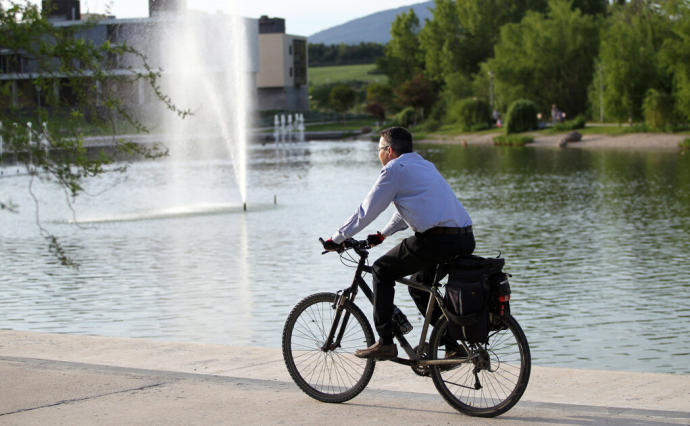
pixel 343 73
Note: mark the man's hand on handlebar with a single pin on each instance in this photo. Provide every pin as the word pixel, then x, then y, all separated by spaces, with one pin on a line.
pixel 375 239
pixel 330 245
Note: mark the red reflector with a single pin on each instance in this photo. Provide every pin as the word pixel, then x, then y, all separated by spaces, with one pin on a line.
pixel 504 298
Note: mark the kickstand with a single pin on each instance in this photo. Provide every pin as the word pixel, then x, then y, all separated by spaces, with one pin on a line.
pixel 477 385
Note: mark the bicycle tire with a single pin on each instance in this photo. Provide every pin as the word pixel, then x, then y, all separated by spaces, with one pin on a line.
pixel 332 376
pixel 509 356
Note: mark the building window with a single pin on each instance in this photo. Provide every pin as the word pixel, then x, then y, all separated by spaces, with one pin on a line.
pixel 290 49
pixel 299 61
pixel 290 71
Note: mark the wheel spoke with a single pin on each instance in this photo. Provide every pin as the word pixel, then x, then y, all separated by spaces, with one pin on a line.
pixel 503 373
pixel 335 375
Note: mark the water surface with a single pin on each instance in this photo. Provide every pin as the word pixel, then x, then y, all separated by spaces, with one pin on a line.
pixel 596 241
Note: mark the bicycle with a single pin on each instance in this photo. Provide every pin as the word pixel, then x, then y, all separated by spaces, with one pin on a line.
pixel 323 330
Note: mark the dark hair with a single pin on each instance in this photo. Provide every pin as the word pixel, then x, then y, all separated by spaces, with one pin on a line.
pixel 398 138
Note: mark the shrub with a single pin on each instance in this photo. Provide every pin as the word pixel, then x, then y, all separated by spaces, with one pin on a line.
pixel 342 97
pixel 685 143
pixel 576 123
pixel 658 109
pixel 377 111
pixel 522 116
pixel 513 140
pixel 429 125
pixel 405 118
pixel 470 112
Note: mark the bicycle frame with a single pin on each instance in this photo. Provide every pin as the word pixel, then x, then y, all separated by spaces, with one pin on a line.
pixel 359 283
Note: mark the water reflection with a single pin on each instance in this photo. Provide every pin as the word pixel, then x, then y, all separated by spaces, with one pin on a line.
pixel 596 242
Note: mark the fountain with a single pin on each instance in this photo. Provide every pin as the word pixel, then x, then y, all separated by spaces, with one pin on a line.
pixel 31 156
pixel 288 128
pixel 45 143
pixel 207 63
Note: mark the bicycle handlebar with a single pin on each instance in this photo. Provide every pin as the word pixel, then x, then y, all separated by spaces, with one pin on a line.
pixel 350 243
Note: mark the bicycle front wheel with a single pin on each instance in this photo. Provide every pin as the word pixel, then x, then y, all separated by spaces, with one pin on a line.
pixel 491 379
pixel 332 375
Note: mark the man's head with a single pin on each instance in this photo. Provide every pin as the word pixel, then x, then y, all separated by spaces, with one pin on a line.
pixel 394 142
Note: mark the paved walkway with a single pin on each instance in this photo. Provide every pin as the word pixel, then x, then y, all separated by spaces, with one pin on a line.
pixel 65 379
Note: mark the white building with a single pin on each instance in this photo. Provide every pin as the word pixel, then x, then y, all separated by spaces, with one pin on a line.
pixel 277 62
pixel 282 79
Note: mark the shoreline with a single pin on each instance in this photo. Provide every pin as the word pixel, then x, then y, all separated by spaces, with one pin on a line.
pixel 629 141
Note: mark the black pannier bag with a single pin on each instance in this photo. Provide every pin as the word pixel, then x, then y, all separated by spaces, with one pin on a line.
pixel 474 291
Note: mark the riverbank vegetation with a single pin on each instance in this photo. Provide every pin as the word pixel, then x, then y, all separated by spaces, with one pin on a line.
pixel 624 62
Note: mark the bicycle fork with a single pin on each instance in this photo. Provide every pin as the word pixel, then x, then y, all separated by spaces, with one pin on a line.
pixel 339 303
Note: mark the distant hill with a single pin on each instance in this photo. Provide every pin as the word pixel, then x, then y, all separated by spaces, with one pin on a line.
pixel 371 28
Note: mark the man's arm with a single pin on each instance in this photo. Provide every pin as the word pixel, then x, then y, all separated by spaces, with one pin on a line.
pixel 397 223
pixel 376 201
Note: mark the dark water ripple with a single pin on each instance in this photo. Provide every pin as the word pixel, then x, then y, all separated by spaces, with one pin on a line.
pixel 596 242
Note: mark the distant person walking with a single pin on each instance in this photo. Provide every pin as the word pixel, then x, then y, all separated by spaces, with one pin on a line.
pixel 555 114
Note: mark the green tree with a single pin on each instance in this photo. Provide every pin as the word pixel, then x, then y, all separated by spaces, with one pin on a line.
pixel 547 58
pixel 380 94
pixel 418 92
pixel 482 21
pixel 460 36
pixel 404 57
pixel 440 40
pixel 342 97
pixel 630 43
pixel 591 7
pixel 59 54
pixel 675 53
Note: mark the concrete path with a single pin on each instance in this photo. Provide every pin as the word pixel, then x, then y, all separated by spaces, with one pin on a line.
pixel 50 379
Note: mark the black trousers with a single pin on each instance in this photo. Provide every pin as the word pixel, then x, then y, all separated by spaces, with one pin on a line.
pixel 416 255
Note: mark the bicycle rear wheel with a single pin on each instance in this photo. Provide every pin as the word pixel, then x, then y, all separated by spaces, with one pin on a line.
pixel 332 375
pixel 501 369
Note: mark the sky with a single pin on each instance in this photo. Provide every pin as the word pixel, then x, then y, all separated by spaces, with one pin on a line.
pixel 302 17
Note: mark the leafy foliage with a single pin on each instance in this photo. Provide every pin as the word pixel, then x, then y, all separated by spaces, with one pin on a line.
pixel 380 94
pixel 546 57
pixel 58 55
pixel 675 54
pixel 404 57
pixel 471 114
pixel 628 56
pixel 522 116
pixel 405 118
pixel 586 56
pixel 342 97
pixel 576 123
pixel 513 140
pixel 418 92
pixel 658 110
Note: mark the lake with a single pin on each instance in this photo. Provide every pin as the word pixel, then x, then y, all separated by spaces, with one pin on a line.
pixel 596 242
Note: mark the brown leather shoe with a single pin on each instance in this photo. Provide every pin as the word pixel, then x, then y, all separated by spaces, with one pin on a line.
pixel 378 351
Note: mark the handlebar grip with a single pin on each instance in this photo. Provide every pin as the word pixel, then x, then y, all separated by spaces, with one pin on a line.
pixel 322 243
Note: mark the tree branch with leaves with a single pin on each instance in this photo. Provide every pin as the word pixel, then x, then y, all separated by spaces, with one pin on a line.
pixel 76 80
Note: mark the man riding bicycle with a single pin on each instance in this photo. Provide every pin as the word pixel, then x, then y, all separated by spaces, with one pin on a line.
pixel 425 202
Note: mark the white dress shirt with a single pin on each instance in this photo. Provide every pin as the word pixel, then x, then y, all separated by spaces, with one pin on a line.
pixel 422 197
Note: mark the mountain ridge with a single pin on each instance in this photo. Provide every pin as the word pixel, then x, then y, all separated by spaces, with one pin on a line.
pixel 373 28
